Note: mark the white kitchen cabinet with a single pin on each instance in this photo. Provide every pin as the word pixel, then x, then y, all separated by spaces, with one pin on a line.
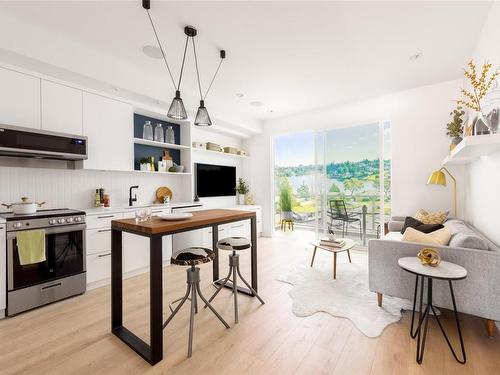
pixel 19 99
pixel 98 267
pixel 98 240
pixel 61 108
pixel 3 270
pixel 108 124
pixel 240 229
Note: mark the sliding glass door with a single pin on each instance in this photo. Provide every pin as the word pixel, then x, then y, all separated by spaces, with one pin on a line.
pixel 355 184
pixel 336 180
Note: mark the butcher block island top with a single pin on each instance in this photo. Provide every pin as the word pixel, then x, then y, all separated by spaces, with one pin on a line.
pixel 200 219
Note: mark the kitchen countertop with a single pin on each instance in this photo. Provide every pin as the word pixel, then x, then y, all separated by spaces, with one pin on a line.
pixel 117 209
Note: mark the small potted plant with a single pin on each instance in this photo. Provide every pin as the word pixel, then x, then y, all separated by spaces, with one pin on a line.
pixel 242 189
pixel 286 202
pixel 455 127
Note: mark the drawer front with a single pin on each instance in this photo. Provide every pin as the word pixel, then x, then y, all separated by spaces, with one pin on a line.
pixel 102 221
pixel 240 229
pixel 98 266
pixel 98 240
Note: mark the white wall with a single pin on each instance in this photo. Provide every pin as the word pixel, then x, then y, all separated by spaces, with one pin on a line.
pixel 483 177
pixel 419 144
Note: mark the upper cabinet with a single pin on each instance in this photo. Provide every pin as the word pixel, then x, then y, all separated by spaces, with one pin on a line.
pixel 19 99
pixel 108 124
pixel 61 108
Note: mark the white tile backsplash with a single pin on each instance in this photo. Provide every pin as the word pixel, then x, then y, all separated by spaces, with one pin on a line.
pixel 76 188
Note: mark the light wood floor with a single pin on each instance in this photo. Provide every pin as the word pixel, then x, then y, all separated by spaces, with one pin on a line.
pixel 73 336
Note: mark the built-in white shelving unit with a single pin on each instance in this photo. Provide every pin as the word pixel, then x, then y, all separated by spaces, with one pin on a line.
pixel 202 150
pixel 472 148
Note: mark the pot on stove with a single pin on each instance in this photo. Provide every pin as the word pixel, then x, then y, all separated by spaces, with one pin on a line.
pixel 24 207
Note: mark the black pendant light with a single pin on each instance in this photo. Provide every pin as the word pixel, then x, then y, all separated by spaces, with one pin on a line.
pixel 177 111
pixel 202 117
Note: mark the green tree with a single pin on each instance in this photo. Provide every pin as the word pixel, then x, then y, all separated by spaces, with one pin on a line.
pixel 334 188
pixel 353 185
pixel 303 191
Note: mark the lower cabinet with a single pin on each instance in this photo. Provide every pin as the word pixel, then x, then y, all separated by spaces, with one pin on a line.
pixel 135 251
pixel 98 266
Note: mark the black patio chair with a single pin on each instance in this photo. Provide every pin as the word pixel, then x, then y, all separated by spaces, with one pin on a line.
pixel 338 212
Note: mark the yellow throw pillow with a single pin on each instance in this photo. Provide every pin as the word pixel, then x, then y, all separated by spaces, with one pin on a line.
pixel 439 237
pixel 425 217
pixel 413 235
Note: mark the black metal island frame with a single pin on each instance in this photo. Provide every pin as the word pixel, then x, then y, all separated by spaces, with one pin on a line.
pixel 155 229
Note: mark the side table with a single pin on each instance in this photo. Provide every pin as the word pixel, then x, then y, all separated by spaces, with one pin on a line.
pixel 445 271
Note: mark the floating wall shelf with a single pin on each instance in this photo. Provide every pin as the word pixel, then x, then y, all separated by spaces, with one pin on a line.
pixel 219 153
pixel 472 148
pixel 165 173
pixel 146 142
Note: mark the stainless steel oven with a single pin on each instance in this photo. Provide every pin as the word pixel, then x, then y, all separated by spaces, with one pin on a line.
pixel 63 272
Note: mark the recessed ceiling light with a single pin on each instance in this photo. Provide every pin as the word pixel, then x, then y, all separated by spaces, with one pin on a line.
pixel 239 95
pixel 256 104
pixel 271 110
pixel 416 56
pixel 152 51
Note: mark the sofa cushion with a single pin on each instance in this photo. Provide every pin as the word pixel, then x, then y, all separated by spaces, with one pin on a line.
pixel 431 217
pixel 411 222
pixel 463 236
pixel 439 237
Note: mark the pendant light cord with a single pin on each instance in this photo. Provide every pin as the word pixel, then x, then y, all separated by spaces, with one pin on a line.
pixel 197 70
pixel 203 97
pixel 213 79
pixel 161 49
pixel 183 61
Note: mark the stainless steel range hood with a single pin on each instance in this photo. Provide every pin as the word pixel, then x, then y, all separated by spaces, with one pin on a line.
pixel 26 147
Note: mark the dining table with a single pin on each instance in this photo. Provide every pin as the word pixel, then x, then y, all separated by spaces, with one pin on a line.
pixel 155 228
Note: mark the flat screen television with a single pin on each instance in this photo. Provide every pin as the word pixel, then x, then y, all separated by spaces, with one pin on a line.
pixel 215 180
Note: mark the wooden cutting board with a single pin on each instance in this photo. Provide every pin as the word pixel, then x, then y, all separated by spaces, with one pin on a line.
pixel 163 192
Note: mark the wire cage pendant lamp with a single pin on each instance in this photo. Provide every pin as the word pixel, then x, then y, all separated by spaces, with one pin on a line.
pixel 177 111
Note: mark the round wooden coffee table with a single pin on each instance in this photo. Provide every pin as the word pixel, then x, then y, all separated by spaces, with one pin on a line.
pixel 445 271
pixel 349 244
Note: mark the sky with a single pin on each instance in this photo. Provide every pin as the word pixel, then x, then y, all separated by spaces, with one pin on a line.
pixel 353 144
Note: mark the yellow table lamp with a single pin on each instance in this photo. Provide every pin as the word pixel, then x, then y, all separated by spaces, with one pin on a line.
pixel 439 178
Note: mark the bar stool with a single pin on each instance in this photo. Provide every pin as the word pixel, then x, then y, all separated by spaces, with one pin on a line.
pixel 234 244
pixel 192 256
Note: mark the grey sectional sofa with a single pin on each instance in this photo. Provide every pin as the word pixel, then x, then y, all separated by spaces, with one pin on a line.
pixel 478 294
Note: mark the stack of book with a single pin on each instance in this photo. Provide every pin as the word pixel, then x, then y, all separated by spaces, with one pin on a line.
pixel 332 243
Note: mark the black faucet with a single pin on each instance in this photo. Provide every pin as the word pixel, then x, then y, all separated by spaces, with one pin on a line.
pixel 130 199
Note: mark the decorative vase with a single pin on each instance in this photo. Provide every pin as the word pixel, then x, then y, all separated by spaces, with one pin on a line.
pixel 144 166
pixel 241 199
pixel 481 125
pixel 454 142
pixel 287 215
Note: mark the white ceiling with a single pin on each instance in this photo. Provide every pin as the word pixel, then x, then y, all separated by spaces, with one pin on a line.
pixel 292 56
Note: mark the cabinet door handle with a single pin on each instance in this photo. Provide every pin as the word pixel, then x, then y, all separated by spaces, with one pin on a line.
pixel 104 230
pixel 104 255
pixel 155 212
pixel 105 217
pixel 238 226
pixel 220 230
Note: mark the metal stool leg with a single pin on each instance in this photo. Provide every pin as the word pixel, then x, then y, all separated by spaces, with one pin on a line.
pixel 210 306
pixel 183 299
pixel 219 287
pixel 235 293
pixel 249 286
pixel 191 321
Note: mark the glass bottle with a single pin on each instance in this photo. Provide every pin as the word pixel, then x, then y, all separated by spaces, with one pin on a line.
pixel 159 133
pixel 170 135
pixel 147 131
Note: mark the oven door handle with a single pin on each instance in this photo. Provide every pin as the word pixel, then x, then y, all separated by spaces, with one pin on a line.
pixel 54 230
